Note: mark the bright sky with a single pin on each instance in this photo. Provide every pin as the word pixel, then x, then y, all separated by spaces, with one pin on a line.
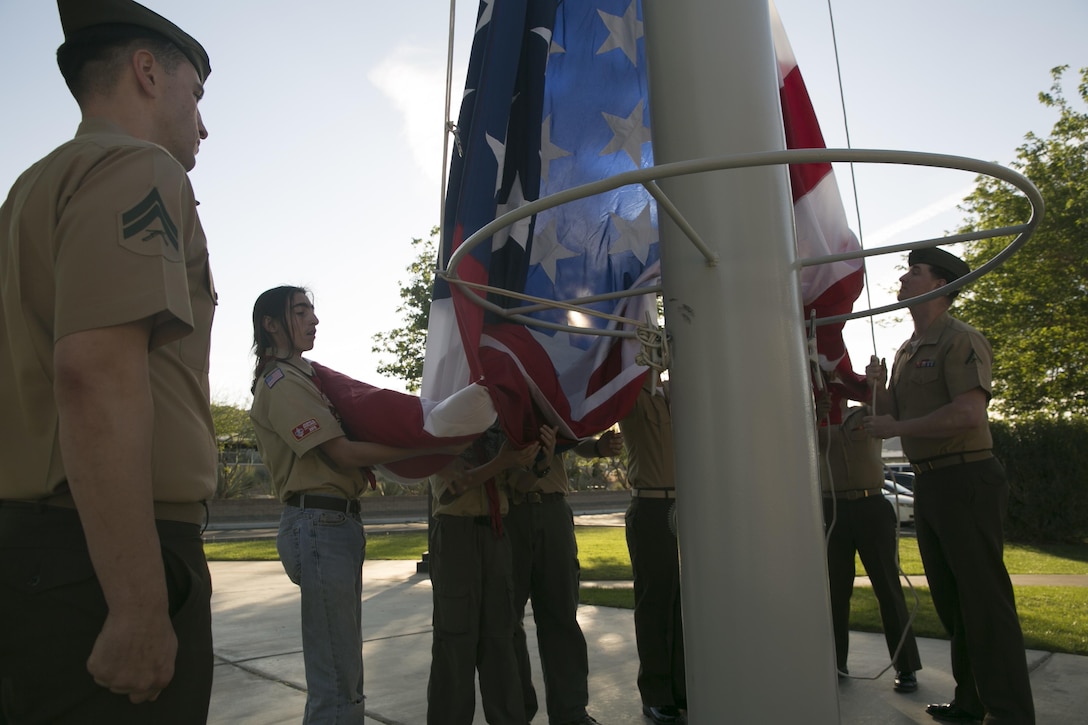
pixel 326 117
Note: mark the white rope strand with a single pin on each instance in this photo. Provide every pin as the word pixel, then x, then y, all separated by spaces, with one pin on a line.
pixel 853 176
pixel 448 127
pixel 872 333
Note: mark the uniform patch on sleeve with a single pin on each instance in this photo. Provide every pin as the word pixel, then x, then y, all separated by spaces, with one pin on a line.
pixel 304 429
pixel 273 377
pixel 147 229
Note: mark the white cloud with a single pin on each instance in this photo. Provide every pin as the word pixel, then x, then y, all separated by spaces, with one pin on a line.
pixel 414 81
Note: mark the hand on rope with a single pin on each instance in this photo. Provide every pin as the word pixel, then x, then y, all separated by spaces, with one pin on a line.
pixel 876 377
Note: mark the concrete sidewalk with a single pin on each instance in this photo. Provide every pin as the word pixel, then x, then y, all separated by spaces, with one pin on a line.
pixel 259 673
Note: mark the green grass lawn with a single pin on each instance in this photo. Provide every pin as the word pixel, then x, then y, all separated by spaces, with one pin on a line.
pixel 400 545
pixel 1054 619
pixel 1048 615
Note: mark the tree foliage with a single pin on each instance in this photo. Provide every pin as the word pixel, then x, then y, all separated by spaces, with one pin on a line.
pixel 237 442
pixel 233 426
pixel 1034 307
pixel 406 344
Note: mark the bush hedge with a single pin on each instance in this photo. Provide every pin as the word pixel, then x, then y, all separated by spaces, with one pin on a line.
pixel 1047 464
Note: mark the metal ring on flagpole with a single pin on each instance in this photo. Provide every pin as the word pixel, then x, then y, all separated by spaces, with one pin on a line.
pixel 647 176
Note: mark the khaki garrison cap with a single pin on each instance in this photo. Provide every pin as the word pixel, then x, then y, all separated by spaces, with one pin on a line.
pixel 79 18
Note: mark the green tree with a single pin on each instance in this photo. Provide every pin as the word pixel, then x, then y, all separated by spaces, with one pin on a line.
pixel 1034 307
pixel 240 471
pixel 407 344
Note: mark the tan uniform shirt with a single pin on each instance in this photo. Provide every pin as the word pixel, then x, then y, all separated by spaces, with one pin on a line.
pixel 647 434
pixel 474 502
pixel 951 358
pixel 849 457
pixel 104 231
pixel 555 481
pixel 292 418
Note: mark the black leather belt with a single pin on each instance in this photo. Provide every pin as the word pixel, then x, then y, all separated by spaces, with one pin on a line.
pixel 328 503
pixel 483 520
pixel 36 506
pixel 953 459
pixel 538 497
pixel 653 492
pixel 854 494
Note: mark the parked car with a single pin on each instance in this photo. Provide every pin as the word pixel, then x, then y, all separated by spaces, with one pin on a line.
pixel 905 479
pixel 902 500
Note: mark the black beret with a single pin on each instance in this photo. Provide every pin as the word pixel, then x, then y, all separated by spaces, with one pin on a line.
pixel 78 18
pixel 937 257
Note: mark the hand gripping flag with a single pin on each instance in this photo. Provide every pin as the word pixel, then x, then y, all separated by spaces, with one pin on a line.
pixel 556 96
pixel 377 415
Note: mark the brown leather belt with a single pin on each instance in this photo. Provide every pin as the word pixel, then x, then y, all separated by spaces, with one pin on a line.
pixel 953 459
pixel 854 494
pixel 653 492
pixel 327 503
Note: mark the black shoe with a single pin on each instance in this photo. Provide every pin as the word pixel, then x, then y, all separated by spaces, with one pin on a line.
pixel 952 713
pixel 584 720
pixel 906 681
pixel 664 715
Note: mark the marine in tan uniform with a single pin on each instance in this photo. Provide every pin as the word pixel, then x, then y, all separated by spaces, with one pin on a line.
pixel 860 521
pixel 936 403
pixel 472 585
pixel 655 559
pixel 546 570
pixel 106 303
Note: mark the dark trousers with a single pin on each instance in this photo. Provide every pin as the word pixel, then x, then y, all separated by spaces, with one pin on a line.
pixel 866 526
pixel 52 610
pixel 659 629
pixel 545 555
pixel 958 514
pixel 473 625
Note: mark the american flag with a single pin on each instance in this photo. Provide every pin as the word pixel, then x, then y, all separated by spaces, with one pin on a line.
pixel 377 415
pixel 820 220
pixel 556 96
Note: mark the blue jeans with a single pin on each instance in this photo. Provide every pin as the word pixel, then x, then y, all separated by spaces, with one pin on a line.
pixel 322 552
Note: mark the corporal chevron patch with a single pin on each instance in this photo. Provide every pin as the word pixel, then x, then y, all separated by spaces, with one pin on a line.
pixel 148 221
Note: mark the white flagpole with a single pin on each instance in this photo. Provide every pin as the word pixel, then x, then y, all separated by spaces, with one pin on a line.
pixel 757 623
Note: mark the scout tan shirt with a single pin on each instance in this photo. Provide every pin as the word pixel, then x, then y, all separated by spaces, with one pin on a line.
pixel 853 455
pixel 647 434
pixel 950 359
pixel 470 503
pixel 473 502
pixel 292 419
pixel 104 231
pixel 555 481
